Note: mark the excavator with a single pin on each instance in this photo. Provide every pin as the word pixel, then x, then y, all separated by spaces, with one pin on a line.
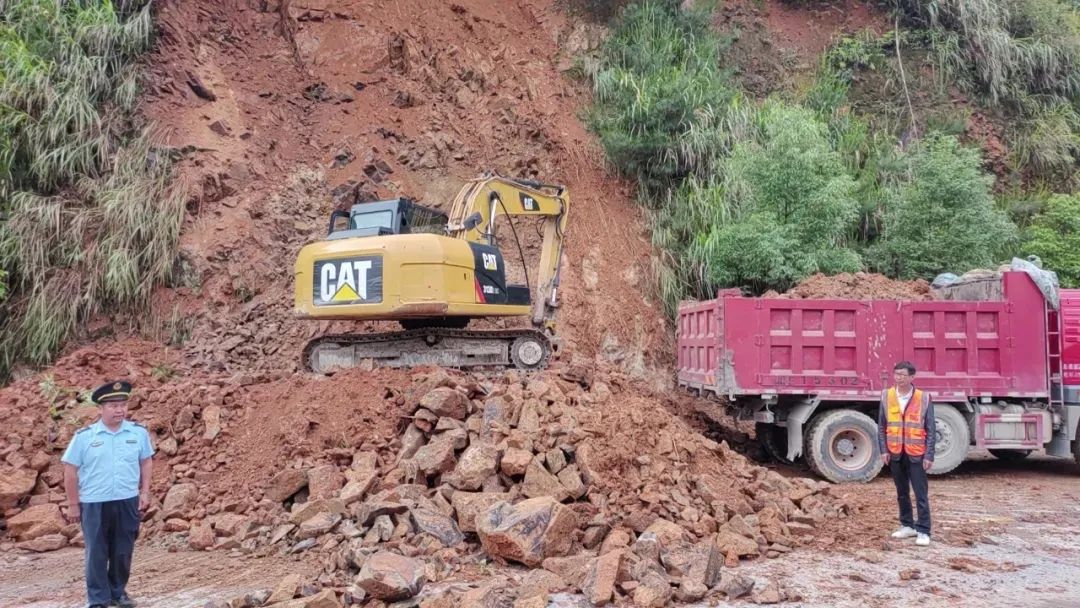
pixel 433 273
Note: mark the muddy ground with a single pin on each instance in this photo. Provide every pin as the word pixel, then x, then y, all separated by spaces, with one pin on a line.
pixel 1024 552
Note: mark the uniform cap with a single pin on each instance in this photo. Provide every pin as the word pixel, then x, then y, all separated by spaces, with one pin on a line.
pixel 112 391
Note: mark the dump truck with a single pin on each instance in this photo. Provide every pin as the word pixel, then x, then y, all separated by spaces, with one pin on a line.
pixel 1000 357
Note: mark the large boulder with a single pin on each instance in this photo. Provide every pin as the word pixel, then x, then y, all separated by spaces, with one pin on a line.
pixel 391 577
pixel 528 531
pixel 437 524
pixel 478 462
pixel 447 402
pixel 14 485
pixel 179 499
pixel 48 542
pixel 470 504
pixel 539 482
pixel 36 521
pixel 600 580
pixel 324 481
pixel 436 457
pixel 285 484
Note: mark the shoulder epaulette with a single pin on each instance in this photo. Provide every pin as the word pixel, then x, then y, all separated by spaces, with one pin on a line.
pixel 138 424
pixel 85 428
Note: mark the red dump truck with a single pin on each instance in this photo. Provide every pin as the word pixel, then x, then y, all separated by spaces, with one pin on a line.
pixel 1002 364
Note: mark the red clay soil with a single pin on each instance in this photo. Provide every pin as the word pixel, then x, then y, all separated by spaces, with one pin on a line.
pixel 405 100
pixel 857 286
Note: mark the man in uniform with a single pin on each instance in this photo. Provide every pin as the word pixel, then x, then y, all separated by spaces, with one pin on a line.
pixel 906 437
pixel 107 481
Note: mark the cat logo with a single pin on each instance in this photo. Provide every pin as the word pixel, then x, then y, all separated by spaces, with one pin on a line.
pixel 348 281
pixel 529 203
pixel 490 261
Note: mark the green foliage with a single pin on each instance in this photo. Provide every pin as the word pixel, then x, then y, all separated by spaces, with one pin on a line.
pixel 864 51
pixel 3 286
pixel 1054 236
pixel 89 218
pixel 658 81
pixel 1024 54
pixel 943 217
pixel 794 206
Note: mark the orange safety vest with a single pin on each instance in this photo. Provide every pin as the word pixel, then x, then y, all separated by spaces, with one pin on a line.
pixel 905 432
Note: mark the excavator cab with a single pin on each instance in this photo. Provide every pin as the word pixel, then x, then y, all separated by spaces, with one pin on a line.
pixel 376 218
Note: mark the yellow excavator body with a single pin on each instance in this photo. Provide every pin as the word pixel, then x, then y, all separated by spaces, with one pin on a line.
pixel 392 278
pixel 434 272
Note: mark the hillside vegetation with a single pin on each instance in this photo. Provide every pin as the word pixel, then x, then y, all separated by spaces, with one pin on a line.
pixel 759 193
pixel 88 221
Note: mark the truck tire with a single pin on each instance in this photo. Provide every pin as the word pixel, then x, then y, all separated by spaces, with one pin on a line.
pixel 1010 455
pixel 953 439
pixel 773 440
pixel 841 446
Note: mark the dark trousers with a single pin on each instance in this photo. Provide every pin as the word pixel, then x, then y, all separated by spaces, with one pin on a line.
pixel 909 475
pixel 109 530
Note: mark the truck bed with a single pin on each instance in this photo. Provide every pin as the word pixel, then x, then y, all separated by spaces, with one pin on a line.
pixel 845 349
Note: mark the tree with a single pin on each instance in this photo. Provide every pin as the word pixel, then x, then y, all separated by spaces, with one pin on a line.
pixel 1054 236
pixel 942 218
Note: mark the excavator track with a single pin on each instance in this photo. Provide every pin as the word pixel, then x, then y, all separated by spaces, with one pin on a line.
pixel 525 349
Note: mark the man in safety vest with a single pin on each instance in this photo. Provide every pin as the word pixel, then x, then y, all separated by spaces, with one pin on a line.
pixel 906 439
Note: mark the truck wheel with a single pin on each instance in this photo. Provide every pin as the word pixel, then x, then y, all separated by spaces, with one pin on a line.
pixel 841 446
pixel 1010 455
pixel 773 440
pixel 953 439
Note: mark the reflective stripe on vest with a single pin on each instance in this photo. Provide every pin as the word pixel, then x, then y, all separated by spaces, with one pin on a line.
pixel 904 432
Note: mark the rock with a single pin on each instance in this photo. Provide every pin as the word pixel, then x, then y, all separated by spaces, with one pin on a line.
pixel 515 461
pixel 324 481
pixel 373 508
pixel 307 510
pixel 179 499
pixel 539 482
pixel 285 590
pixel 571 569
pixel 616 539
pixel 323 599
pixel 35 522
pixel 168 446
pixel 540 582
pixel 319 524
pixel 585 459
pixel 438 525
pixel 201 536
pixel 599 583
pixel 211 416
pixel 411 441
pixel 593 536
pixel 392 577
pixel 48 542
pixel 281 532
pixel 769 595
pixel 728 541
pixel 177 525
pixel 653 591
pixel 534 601
pixel 285 484
pixel 735 586
pixel 479 461
pixel 469 504
pixel 490 595
pixel 668 533
pixel 556 460
pixel 444 401
pixel 528 531
pixel 228 524
pixel 436 457
pixel 14 485
pixel 571 480
pixel 691 591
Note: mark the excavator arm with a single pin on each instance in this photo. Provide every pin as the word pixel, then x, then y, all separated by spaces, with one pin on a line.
pixel 479 204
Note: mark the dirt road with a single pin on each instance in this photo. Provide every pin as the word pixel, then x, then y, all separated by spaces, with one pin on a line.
pixel 1005 535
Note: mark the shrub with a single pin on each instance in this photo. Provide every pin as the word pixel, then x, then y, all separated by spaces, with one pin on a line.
pixel 658 78
pixel 1054 236
pixel 943 216
pixel 89 220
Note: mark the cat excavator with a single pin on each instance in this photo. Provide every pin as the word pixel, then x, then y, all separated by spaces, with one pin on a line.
pixel 397 260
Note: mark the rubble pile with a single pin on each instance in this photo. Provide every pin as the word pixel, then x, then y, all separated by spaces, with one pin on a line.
pixel 856 286
pixel 582 478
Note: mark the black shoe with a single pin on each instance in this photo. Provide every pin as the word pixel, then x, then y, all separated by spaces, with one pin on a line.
pixel 124 602
pixel 97 606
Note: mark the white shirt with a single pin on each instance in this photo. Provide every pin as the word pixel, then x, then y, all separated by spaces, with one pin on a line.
pixel 904 399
